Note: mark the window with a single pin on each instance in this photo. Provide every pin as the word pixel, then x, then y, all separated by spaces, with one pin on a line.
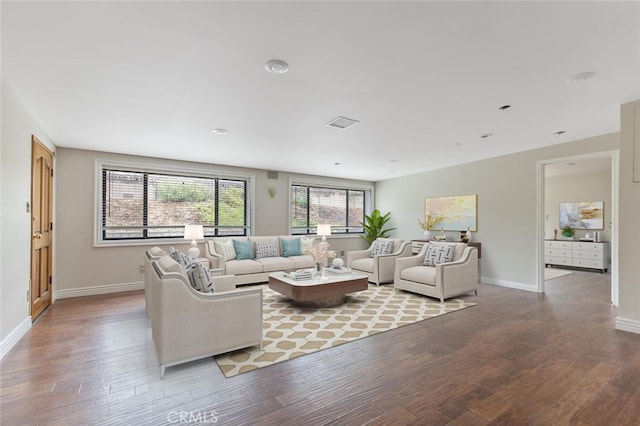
pixel 139 205
pixel 343 209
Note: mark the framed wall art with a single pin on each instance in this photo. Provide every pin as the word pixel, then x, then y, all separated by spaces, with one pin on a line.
pixel 582 215
pixel 457 213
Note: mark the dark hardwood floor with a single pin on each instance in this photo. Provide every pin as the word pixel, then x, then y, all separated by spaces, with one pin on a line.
pixel 516 358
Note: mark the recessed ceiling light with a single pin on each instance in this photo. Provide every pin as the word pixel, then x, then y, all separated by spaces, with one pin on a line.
pixel 459 143
pixel 486 135
pixel 341 122
pixel 571 164
pixel 560 132
pixel 580 77
pixel 276 66
pixel 503 107
pixel 336 164
pixel 393 161
pixel 219 131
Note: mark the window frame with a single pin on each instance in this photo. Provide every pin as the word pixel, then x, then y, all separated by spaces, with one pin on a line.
pixel 368 190
pixel 101 165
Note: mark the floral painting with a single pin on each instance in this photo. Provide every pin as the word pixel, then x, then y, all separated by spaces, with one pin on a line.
pixel 453 213
pixel 582 215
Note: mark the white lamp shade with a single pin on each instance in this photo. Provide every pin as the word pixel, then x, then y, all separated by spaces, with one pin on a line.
pixel 324 230
pixel 193 232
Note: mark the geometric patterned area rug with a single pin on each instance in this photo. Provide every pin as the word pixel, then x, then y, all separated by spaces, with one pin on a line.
pixel 291 331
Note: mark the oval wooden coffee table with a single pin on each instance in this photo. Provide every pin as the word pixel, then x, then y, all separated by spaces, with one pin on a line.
pixel 330 290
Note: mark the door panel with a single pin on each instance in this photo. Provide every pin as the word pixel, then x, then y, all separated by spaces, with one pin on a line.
pixel 41 227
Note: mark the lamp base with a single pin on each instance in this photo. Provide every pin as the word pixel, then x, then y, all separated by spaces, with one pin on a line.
pixel 194 251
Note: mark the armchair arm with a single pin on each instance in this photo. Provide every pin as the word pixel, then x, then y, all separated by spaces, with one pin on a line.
pixel 459 276
pixel 216 261
pixel 357 254
pixel 409 261
pixel 223 283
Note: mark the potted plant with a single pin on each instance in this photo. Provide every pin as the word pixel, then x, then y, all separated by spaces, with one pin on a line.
pixel 568 231
pixel 374 226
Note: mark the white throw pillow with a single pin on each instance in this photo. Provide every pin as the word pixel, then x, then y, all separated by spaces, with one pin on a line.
pixel 226 249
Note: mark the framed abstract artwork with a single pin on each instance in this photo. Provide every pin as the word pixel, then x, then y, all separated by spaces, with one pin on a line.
pixel 457 213
pixel 582 215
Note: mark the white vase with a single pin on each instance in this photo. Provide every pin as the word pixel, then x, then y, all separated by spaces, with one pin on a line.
pixel 427 236
pixel 468 234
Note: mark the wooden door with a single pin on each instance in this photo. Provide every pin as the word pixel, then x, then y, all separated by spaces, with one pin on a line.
pixel 41 227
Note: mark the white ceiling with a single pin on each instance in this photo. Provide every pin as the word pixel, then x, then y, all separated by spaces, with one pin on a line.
pixel 425 79
pixel 580 167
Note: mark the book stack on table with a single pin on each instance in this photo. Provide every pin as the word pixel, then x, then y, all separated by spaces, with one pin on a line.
pixel 300 274
pixel 337 271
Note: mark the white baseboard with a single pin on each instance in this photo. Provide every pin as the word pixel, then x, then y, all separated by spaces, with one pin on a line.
pixel 629 325
pixel 99 289
pixel 509 284
pixel 13 337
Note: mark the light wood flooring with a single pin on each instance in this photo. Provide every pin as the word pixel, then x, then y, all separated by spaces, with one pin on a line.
pixel 517 358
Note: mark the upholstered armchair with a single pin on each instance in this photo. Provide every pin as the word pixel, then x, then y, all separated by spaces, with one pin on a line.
pixel 444 280
pixel 378 267
pixel 189 325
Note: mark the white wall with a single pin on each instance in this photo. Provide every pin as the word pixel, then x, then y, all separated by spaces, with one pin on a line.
pixel 629 231
pixel 576 188
pixel 507 194
pixel 18 125
pixel 84 269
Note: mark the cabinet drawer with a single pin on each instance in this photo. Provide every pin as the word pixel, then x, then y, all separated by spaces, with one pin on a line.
pixel 588 246
pixel 590 255
pixel 557 252
pixel 557 244
pixel 588 263
pixel 554 260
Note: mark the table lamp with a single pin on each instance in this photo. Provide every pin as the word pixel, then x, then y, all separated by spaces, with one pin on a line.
pixel 193 233
pixel 324 230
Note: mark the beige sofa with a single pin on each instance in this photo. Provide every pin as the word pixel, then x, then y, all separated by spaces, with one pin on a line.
pixel 257 270
pixel 443 281
pixel 189 325
pixel 380 268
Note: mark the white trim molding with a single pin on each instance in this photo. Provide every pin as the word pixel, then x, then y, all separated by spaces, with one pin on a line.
pixel 99 289
pixel 509 284
pixel 14 337
pixel 625 324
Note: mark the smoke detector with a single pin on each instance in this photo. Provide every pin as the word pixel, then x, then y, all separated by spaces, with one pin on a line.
pixel 276 66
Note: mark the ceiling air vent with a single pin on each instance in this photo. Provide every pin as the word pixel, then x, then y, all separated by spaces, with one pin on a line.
pixel 342 122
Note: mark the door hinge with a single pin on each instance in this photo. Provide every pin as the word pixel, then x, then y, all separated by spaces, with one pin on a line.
pixel 50 226
pixel 51 172
pixel 50 281
pixel 29 293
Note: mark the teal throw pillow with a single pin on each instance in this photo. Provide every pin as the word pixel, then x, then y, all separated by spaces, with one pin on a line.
pixel 291 247
pixel 243 249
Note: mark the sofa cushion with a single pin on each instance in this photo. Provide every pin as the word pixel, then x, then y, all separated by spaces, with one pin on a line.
pixel 267 249
pixel 420 274
pixel 242 267
pixel 438 254
pixel 306 243
pixel 272 264
pixel 381 246
pixel 364 264
pixel 226 249
pixel 291 247
pixel 243 249
pixel 200 278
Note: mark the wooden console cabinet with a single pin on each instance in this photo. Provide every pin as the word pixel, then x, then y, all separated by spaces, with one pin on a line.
pixel 577 254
